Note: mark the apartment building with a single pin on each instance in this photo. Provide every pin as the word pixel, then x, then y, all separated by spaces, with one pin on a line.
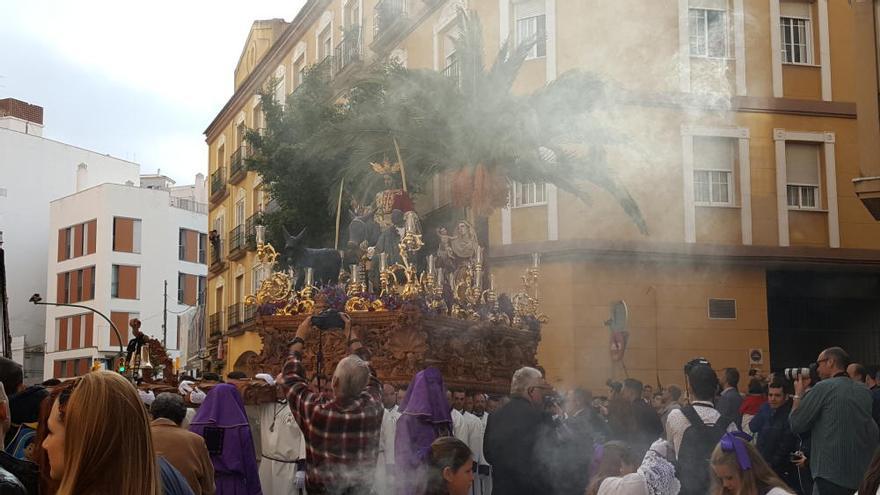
pixel 739 130
pixel 127 252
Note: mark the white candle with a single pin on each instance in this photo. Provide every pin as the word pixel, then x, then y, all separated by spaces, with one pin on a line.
pixel 310 276
pixel 439 278
pixel 383 262
pixel 261 234
pixel 492 282
pixel 479 254
pixel 536 260
pixel 430 264
pixel 355 274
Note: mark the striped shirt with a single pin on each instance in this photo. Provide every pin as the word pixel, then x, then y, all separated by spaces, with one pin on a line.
pixel 843 435
pixel 342 438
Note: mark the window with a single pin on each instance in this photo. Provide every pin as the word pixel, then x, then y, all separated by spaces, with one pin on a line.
pixel 124 282
pixel 713 170
pixel 299 70
pixel 181 287
pixel 280 86
pixel 74 332
pixel 722 309
pixel 326 46
pixel 120 320
pixel 221 156
pixel 203 246
pixel 796 40
pixel 531 26
pixel 78 240
pixel 531 194
pixel 201 288
pixel 802 175
pixel 181 244
pixel 76 286
pixel 126 235
pixel 708 33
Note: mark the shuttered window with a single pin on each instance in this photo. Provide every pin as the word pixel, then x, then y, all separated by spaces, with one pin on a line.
pixel 126 235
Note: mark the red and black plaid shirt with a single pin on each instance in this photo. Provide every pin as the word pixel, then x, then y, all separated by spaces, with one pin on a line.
pixel 342 439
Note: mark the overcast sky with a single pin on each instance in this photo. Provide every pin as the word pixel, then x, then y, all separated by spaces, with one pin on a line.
pixel 137 80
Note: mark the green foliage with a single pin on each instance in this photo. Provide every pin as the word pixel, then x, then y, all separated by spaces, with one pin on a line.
pixel 441 124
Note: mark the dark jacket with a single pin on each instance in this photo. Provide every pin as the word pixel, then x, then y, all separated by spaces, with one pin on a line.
pixel 9 484
pixel 776 442
pixel 25 471
pixel 728 405
pixel 518 443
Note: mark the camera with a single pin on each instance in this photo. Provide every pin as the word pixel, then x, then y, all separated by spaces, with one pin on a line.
pixel 794 373
pixel 700 361
pixel 796 456
pixel 327 320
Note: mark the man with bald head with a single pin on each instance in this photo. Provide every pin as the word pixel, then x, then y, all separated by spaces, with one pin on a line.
pixel 837 414
pixel 519 437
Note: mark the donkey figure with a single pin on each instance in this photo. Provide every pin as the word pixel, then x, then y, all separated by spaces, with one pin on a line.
pixel 325 263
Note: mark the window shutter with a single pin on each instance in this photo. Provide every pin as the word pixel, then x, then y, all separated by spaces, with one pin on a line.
pixel 795 9
pixel 722 309
pixel 88 338
pixel 62 244
pixel 802 163
pixel 708 4
pixel 123 235
pixel 78 241
pixel 92 238
pixel 87 274
pixel 57 369
pixel 62 334
pixel 128 282
pixel 75 331
pixel 83 366
pixel 529 8
pixel 60 292
pixel 191 241
pixel 189 290
pixel 70 370
pixel 713 153
pixel 120 320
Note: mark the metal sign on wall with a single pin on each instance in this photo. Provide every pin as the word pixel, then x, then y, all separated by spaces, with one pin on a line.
pixel 756 356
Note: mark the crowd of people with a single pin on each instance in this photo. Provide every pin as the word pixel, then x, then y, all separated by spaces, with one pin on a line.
pixel 804 431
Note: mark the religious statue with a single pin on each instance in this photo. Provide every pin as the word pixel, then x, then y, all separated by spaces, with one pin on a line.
pixel 444 249
pixel 389 239
pixel 464 244
pixel 391 198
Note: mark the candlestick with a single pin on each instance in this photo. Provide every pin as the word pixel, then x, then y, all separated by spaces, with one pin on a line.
pixel 355 274
pixel 430 264
pixel 452 281
pixel 439 276
pixel 536 260
pixel 479 256
pixel 383 262
pixel 310 276
pixel 261 234
pixel 492 282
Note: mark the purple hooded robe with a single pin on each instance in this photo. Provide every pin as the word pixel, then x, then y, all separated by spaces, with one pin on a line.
pixel 424 416
pixel 222 422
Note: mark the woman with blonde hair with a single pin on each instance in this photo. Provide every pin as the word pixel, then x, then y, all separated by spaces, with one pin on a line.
pixel 98 441
pixel 738 469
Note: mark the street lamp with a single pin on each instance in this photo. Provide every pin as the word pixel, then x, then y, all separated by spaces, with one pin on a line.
pixel 37 300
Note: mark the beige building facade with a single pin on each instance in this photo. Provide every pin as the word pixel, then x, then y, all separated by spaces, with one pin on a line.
pixel 735 124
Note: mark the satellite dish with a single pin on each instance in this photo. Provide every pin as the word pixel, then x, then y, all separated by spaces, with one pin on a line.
pixel 619 316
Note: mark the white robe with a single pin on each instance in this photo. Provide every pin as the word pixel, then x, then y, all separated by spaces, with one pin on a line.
pixel 482 482
pixel 384 481
pixel 282 446
pixel 461 425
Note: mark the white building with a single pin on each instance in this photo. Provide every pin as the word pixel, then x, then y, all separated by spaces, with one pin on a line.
pixel 33 171
pixel 114 247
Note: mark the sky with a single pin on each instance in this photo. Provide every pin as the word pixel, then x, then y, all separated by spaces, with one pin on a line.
pixel 136 80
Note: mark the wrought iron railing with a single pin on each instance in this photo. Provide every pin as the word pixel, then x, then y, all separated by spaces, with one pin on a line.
pixel 236 164
pixel 214 322
pixel 236 240
pixel 218 182
pixel 250 229
pixel 453 71
pixel 349 50
pixel 386 15
pixel 233 315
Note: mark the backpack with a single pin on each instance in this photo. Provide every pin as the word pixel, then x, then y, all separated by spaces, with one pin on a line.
pixel 697 444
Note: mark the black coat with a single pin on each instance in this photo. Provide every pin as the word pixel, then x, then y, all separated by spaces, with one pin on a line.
pixel 577 438
pixel 776 442
pixel 520 443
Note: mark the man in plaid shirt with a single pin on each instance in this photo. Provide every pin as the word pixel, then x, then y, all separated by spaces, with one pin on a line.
pixel 342 430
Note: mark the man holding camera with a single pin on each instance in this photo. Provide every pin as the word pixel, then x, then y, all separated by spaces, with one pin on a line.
pixel 837 413
pixel 342 429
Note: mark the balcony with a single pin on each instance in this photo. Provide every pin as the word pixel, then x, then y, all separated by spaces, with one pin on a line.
pixel 233 317
pixel 214 322
pixel 453 72
pixel 237 170
pixel 250 230
pixel 249 314
pixel 189 205
pixel 219 191
pixel 236 243
pixel 349 52
pixel 389 19
pixel 218 259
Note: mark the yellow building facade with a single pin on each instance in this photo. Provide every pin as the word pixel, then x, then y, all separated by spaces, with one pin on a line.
pixel 734 126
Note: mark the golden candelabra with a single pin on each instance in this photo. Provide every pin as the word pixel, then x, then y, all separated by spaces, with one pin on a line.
pixel 525 305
